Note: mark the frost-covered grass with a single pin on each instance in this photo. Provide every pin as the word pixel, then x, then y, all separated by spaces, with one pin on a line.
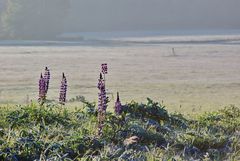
pixel 142 132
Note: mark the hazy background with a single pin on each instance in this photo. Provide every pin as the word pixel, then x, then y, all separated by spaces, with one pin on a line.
pixel 184 52
pixel 44 19
pixel 95 15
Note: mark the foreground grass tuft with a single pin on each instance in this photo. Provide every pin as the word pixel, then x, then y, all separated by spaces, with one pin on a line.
pixel 140 132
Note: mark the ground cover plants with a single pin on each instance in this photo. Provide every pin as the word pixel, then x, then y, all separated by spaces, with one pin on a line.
pixel 48 130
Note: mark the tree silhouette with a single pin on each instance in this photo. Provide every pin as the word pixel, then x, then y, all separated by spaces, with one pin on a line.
pixel 33 19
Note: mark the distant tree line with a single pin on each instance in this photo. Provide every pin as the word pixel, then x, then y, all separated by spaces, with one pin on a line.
pixel 33 19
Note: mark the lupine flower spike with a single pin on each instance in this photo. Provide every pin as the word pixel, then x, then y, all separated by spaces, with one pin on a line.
pixel 104 71
pixel 102 94
pixel 102 104
pixel 42 90
pixel 118 105
pixel 47 78
pixel 63 90
pixel 104 68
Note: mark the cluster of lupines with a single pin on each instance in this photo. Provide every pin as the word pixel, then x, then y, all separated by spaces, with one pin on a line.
pixel 44 86
pixel 102 99
pixel 63 90
pixel 102 96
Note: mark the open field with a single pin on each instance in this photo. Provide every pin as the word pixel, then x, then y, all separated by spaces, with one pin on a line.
pixel 199 78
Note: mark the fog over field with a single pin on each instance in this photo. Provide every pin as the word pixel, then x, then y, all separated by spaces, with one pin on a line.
pixel 42 19
pixel 108 15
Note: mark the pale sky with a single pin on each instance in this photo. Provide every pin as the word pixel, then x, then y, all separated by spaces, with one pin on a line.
pixel 112 15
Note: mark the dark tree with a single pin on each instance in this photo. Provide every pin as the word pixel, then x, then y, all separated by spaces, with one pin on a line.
pixel 33 19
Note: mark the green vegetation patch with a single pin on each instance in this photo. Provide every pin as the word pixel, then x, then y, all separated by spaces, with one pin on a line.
pixel 141 132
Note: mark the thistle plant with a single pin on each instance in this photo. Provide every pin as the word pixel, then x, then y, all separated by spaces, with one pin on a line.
pixel 47 78
pixel 118 105
pixel 63 90
pixel 42 90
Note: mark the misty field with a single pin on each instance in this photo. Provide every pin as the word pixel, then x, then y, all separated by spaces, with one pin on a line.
pixel 197 78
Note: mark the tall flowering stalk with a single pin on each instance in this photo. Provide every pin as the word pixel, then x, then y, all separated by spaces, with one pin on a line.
pixel 42 90
pixel 47 78
pixel 118 105
pixel 104 71
pixel 102 94
pixel 102 104
pixel 102 98
pixel 63 90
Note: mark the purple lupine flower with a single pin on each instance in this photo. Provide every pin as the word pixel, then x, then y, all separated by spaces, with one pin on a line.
pixel 104 68
pixel 42 91
pixel 118 105
pixel 63 90
pixel 47 78
pixel 102 104
pixel 102 98
pixel 100 82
